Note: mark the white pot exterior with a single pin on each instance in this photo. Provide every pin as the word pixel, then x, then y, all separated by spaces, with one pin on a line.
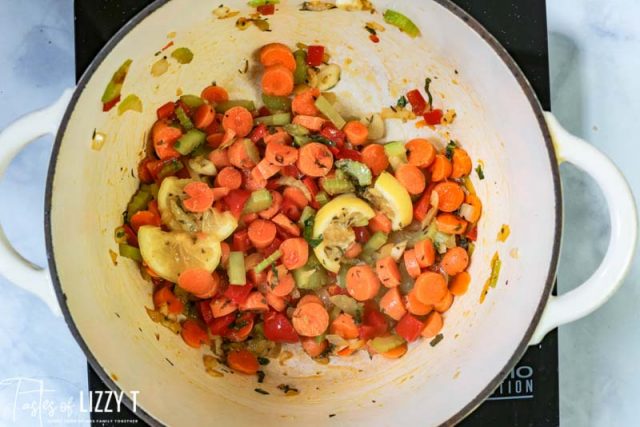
pixel 498 121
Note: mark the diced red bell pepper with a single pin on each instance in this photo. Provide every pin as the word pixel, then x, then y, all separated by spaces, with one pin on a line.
pixel 165 296
pixel 235 201
pixel 409 327
pixel 290 209
pixel 263 111
pixel 132 237
pixel 259 132
pixel 166 111
pixel 374 38
pixel 143 171
pixel 241 242
pixel 315 55
pixel 267 9
pixel 311 185
pixel 366 332
pixel 273 246
pixel 375 319
pixel 423 204
pixel 109 105
pixel 417 101
pixel 240 329
pixel 292 171
pixel 238 294
pixel 220 325
pixel 204 307
pixel 362 234
pixel 278 328
pixel 433 117
pixel 333 134
pixel 346 153
pixel 473 233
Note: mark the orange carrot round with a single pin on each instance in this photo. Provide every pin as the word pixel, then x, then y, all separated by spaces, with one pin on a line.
pixel 280 154
pixel 308 299
pixel 276 302
pixel 388 272
pixel 375 158
pixel 229 177
pixel 396 353
pixel 200 197
pixel 460 283
pixel 193 334
pixel 444 304
pixel 312 123
pixel 295 252
pixel 432 325
pixel 455 261
pixel 204 116
pixel 312 347
pixel 239 120
pixel 421 152
pixel 415 306
pixel 425 253
pixel 164 138
pixel 430 288
pixel 450 196
pixel 344 326
pixel 214 94
pixel 391 304
pixel 141 218
pixel 243 361
pixel 222 306
pixel 461 163
pixel 262 232
pixel 304 102
pixel 315 159
pixel 356 132
pixel 362 282
pixel 276 203
pixel 476 205
pixel 282 284
pixel 277 54
pixel 353 250
pixel 411 178
pixel 239 155
pixel 277 80
pixel 310 320
pixel 440 168
pixel 380 222
pixel 411 263
pixel 450 224
pixel 254 302
pixel 198 281
pixel 219 158
pixel 296 195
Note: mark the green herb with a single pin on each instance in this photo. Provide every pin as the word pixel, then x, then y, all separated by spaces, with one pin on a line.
pixel 263 360
pixel 260 376
pixel 261 391
pixel 480 172
pixel 427 84
pixel 402 102
pixel 308 232
pixel 450 147
pixel 435 341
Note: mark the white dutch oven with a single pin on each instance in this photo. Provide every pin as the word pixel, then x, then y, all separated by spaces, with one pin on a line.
pixel 499 121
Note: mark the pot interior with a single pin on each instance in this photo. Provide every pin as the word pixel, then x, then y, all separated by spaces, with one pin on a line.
pixel 496 123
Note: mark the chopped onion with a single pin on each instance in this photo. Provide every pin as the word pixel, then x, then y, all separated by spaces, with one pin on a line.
pixel 466 211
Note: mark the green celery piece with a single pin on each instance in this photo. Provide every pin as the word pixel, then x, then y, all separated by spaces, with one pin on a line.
pixel 184 119
pixel 224 106
pixel 265 263
pixel 258 201
pixel 190 141
pixel 322 198
pixel 396 153
pixel 276 103
pixel 170 168
pixel 336 185
pixel 384 344
pixel 139 201
pixel 236 269
pixel 327 109
pixel 278 119
pixel 402 22
pixel 192 101
pixel 300 74
pixel 375 242
pixel 130 252
pixel 357 170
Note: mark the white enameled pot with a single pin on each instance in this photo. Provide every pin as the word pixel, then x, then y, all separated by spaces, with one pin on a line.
pixel 499 121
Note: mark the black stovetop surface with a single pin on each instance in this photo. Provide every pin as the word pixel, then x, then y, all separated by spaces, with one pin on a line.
pixel 529 396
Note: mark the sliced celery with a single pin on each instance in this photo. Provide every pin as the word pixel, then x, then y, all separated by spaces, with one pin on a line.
pixel 339 184
pixel 397 154
pixel 322 198
pixel 278 119
pixel 224 106
pixel 375 242
pixel 236 270
pixel 131 102
pixel 192 101
pixel 311 275
pixel 139 201
pixel 296 130
pixel 112 91
pixel 265 263
pixel 258 201
pixel 327 109
pixel 170 168
pixel 190 141
pixel 402 22
pixel 300 75
pixel 347 304
pixel 307 212
pixel 184 119
pixel 384 344
pixel 357 170
pixel 276 103
pixel 130 252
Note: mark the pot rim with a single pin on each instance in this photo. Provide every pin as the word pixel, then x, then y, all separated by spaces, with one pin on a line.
pixel 455 10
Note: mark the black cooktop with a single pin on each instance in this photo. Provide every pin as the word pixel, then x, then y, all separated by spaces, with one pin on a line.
pixel 529 395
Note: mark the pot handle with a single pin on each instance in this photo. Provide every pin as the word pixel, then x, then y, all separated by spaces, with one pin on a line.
pixel 13 266
pixel 596 290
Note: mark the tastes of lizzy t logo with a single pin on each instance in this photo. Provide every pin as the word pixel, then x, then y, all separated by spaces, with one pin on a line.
pixel 34 401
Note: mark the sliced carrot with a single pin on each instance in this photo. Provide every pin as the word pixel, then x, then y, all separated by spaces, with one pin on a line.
pixel 193 334
pixel 450 224
pixel 214 289
pixel 222 306
pixel 304 102
pixel 391 304
pixel 239 155
pixel 345 327
pixel 276 302
pixel 450 196
pixel 353 250
pixel 461 163
pixel 282 284
pixel 141 218
pixel 388 272
pixel 411 262
pixel 247 219
pixel 225 249
pixel 219 158
pixel 163 296
pixel 277 54
pixel 455 261
pixel 440 168
pixel 309 299
pixel 425 253
pixel 243 361
pixel 277 80
pixel 296 196
pixel 220 192
pixel 228 138
pixel 430 287
pixel 310 320
pixel 214 94
pixel 203 116
pixel 295 253
pixel 253 179
pixel 310 122
pixel 380 222
pixel 375 158
pixel 357 133
pixel 280 154
pixel 265 169
pixel 362 282
pixel 432 325
pixel 276 203
pixel 198 281
pixel 396 353
pixel 262 232
pixel 200 197
pixel 460 283
pixel 312 347
pixel 476 208
pixel 278 137
pixel 421 152
pixel 239 120
pixel 411 178
pixel 444 304
pixel 164 138
pixel 254 302
pixel 229 177
pixel 414 306
pixel 286 224
pixel 315 159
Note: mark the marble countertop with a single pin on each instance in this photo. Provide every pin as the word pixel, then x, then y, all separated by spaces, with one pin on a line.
pixel 594 46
